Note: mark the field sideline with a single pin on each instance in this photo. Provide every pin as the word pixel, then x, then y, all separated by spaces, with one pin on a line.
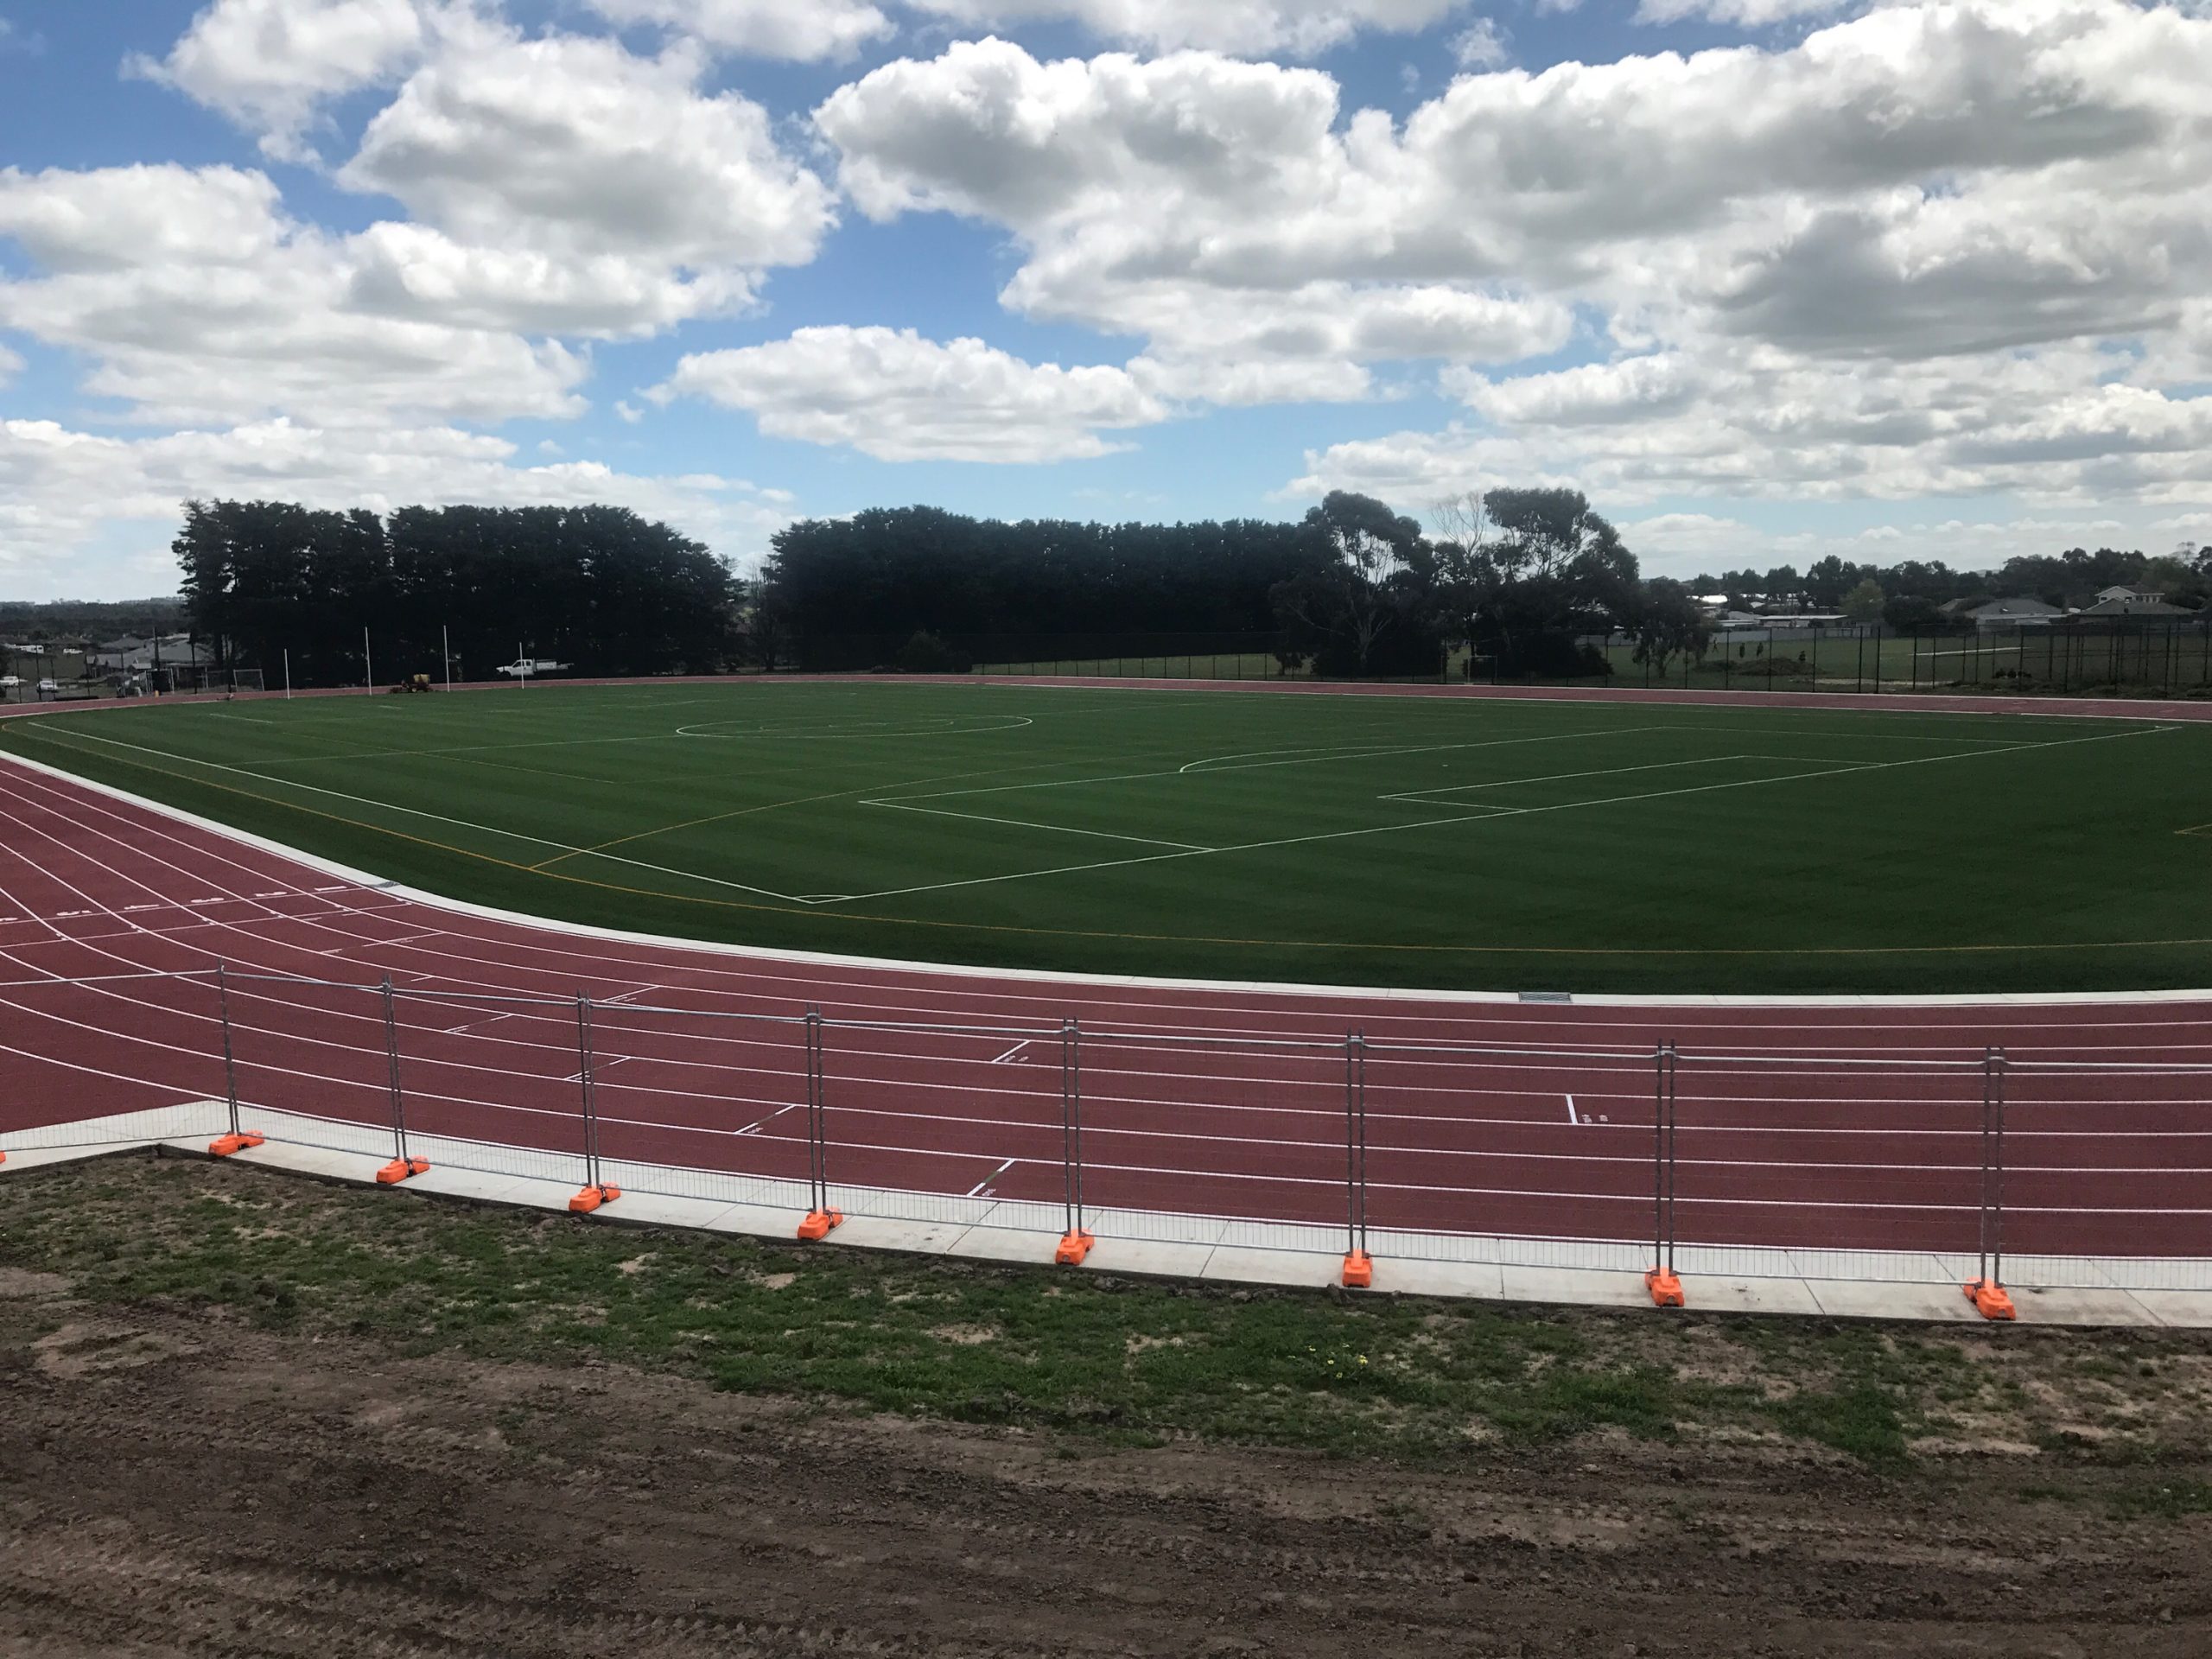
pixel 1595 846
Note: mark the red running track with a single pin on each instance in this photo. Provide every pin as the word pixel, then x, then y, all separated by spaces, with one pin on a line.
pixel 1850 1126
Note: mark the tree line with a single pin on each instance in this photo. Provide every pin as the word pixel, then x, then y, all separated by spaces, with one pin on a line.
pixel 1353 588
pixel 1521 578
pixel 596 587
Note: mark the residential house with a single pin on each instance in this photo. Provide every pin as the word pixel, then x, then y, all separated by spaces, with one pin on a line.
pixel 2010 614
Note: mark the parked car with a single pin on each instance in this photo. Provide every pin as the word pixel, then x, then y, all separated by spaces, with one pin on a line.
pixel 48 685
pixel 9 682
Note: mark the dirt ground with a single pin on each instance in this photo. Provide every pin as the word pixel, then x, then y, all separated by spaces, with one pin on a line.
pixel 174 1483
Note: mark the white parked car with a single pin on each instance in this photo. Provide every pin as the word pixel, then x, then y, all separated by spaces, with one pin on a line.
pixel 9 682
pixel 48 685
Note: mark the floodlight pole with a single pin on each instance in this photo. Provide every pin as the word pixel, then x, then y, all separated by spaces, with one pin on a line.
pixel 287 673
pixel 445 650
pixel 368 664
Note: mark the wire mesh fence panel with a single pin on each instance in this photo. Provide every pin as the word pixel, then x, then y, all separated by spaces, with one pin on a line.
pixel 128 1056
pixel 1229 1142
pixel 1822 1168
pixel 492 1084
pixel 2106 1176
pixel 313 1053
pixel 1532 1157
pixel 943 1125
pixel 700 1105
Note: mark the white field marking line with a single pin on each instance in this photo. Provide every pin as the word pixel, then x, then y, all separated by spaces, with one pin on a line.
pixel 1571 1117
pixel 439 818
pixel 1015 1049
pixel 1259 759
pixel 477 1025
pixel 1024 823
pixel 1342 754
pixel 1132 776
pixel 983 1185
pixel 1492 814
pixel 602 1001
pixel 1563 777
pixel 248 718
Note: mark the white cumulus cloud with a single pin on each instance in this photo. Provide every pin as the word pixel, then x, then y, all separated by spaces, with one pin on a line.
pixel 894 395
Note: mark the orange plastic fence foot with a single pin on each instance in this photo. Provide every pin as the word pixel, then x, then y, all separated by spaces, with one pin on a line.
pixel 399 1169
pixel 819 1223
pixel 1992 1300
pixel 591 1198
pixel 3 1157
pixel 1073 1248
pixel 1359 1271
pixel 225 1146
pixel 1666 1288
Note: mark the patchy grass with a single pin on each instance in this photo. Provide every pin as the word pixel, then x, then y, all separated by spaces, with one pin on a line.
pixel 1120 1360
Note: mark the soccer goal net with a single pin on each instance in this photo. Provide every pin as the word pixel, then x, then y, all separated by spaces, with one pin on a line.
pixel 229 680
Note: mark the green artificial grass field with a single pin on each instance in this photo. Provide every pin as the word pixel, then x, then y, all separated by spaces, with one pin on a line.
pixel 1517 845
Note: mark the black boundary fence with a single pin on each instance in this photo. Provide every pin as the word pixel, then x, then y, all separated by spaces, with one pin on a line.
pixel 2150 657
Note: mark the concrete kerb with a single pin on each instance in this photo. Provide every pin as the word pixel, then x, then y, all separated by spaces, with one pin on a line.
pixel 1216 1262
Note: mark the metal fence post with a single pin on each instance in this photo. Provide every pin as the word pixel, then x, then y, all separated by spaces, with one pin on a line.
pixel 236 1139
pixel 594 1191
pixel 1987 1293
pixel 402 1166
pixel 1661 1280
pixel 1359 1266
pixel 820 1217
pixel 1075 1240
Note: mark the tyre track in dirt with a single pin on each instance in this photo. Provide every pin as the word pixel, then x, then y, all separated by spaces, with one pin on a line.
pixel 171 1484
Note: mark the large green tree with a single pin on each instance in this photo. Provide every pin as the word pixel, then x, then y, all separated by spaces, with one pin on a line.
pixel 596 586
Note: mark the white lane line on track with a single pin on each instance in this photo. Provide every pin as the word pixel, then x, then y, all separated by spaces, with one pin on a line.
pixel 599 1068
pixel 983 1186
pixel 758 1124
pixel 1571 1117
pixel 1015 1049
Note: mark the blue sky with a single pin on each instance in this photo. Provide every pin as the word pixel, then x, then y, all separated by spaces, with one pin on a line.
pixel 1768 278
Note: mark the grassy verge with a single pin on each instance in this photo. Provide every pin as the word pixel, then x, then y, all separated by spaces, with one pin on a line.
pixel 1122 1360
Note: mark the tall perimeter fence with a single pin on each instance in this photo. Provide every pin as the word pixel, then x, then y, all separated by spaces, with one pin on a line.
pixel 1966 1166
pixel 2145 657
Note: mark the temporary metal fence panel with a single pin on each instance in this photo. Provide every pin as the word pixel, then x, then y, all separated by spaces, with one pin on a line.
pixel 2107 1174
pixel 494 1083
pixel 313 1050
pixel 948 1125
pixel 1230 1141
pixel 1528 1157
pixel 95 1061
pixel 1835 1167
pixel 698 1104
